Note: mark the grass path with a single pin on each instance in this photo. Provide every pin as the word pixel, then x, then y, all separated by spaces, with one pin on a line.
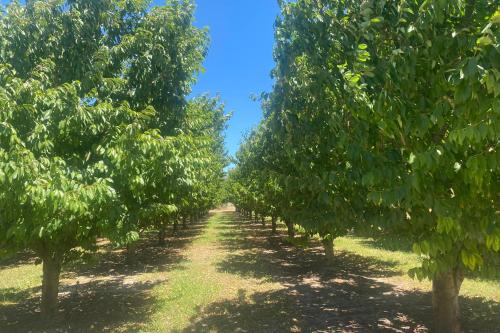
pixel 198 282
pixel 228 274
pixel 237 278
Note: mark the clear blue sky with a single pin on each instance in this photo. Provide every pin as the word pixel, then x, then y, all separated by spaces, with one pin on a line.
pixel 240 58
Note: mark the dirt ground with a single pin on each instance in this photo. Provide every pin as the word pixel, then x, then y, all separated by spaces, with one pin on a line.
pixel 308 293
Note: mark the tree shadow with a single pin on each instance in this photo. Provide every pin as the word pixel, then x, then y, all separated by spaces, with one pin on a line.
pixel 402 244
pixel 105 293
pixel 389 243
pixel 348 294
pixel 312 308
pixel 148 256
pixel 96 306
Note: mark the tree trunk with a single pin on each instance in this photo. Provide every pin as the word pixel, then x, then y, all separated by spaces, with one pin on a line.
pixel 263 220
pixel 184 222
pixel 131 252
pixel 273 224
pixel 161 235
pixel 290 229
pixel 446 310
pixel 50 284
pixel 328 245
pixel 176 226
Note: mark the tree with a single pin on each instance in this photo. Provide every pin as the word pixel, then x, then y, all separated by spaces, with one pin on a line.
pixel 92 96
pixel 386 114
pixel 433 169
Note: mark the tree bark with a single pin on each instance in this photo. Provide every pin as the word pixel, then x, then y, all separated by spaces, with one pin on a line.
pixel 176 226
pixel 184 222
pixel 446 309
pixel 290 229
pixel 273 224
pixel 328 246
pixel 50 283
pixel 131 253
pixel 263 220
pixel 161 235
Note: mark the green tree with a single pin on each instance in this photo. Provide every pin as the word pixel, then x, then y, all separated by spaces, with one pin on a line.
pixel 427 72
pixel 386 114
pixel 92 96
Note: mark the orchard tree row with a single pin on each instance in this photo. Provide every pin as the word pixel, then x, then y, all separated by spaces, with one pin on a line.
pixel 97 137
pixel 385 116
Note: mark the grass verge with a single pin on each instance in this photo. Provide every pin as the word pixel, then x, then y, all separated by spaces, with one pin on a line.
pixel 405 260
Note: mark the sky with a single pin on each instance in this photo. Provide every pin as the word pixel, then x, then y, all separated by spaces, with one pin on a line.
pixel 240 58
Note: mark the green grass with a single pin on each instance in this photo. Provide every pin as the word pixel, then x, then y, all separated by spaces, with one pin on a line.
pixel 195 291
pixel 198 282
pixel 404 260
pixel 18 282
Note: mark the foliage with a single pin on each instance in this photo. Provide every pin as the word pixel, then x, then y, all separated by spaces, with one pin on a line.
pixel 385 116
pixel 96 135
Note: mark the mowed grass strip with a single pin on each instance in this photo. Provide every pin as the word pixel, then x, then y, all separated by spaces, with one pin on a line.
pixel 199 283
pixel 19 282
pixel 405 260
pixel 188 290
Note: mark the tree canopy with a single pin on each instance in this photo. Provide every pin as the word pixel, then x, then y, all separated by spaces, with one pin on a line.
pixel 97 137
pixel 385 116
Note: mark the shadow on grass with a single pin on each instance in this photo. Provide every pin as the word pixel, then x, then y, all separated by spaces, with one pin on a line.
pixel 389 244
pixel 402 244
pixel 347 294
pixel 104 293
pixel 18 259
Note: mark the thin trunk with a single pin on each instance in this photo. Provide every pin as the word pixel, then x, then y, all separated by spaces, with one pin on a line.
pixel 263 220
pixel 446 309
pixel 273 224
pixel 50 283
pixel 290 229
pixel 162 234
pixel 131 253
pixel 328 245
pixel 176 226
pixel 184 222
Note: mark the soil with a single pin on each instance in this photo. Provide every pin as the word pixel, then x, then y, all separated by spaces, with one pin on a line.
pixel 310 293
